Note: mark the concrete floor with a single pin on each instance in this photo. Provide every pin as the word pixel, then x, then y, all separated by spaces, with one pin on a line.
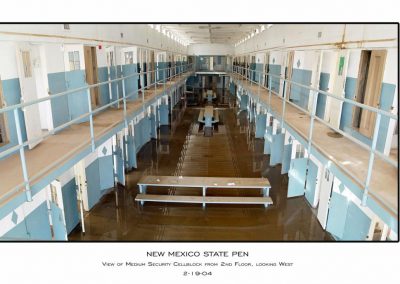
pixel 287 219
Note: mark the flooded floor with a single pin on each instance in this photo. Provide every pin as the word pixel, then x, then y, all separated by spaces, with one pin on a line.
pixel 231 151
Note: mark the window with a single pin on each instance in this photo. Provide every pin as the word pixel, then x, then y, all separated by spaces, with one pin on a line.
pixel 74 61
pixel 129 57
pixel 26 62
pixel 299 151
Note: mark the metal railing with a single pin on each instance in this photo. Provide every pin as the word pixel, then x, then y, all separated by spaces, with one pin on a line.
pixel 168 73
pixel 250 74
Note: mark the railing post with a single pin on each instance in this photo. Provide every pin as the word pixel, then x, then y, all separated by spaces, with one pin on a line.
pixel 283 100
pixel 118 85
pixel 91 120
pixel 312 118
pixel 259 86
pixel 269 94
pixel 371 160
pixel 155 83
pixel 28 192
pixel 165 79
pixel 124 101
pixel 143 91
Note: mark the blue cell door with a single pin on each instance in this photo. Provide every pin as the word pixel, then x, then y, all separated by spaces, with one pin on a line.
pixel 120 167
pixel 153 127
pixel 357 224
pixel 70 202
pixel 131 151
pixel 164 112
pixel 337 213
pixel 297 177
pixel 131 83
pixel 243 102
pixel 277 144
pixel 77 101
pixel 57 218
pixel 286 158
pixel 311 182
pixel 261 123
pixel 346 221
pixel 267 140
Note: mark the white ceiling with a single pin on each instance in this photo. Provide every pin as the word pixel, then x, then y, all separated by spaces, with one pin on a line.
pixel 211 33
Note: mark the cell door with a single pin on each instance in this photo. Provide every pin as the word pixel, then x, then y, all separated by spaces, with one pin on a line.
pixel 297 176
pixel 324 197
pixel 75 78
pixel 373 91
pixel 57 212
pixel 266 70
pixel 289 71
pixel 3 120
pixel 119 161
pixel 92 73
pixel 311 183
pixel 81 181
pixel 334 106
pixel 278 141
pixel 153 125
pixel 26 57
pixel 338 207
pixel 152 67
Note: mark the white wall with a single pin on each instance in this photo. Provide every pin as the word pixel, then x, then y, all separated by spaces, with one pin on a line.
pixel 325 36
pixel 210 49
pixel 94 34
pixel 8 61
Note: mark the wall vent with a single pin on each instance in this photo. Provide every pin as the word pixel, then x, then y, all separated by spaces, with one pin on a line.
pixel 66 27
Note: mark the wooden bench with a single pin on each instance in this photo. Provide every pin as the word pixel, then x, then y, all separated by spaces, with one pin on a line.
pixel 204 183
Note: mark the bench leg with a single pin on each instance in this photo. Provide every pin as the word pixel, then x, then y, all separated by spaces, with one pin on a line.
pixel 265 194
pixel 204 196
pixel 142 189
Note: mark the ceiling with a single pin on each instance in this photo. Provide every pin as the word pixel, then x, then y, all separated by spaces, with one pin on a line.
pixel 211 33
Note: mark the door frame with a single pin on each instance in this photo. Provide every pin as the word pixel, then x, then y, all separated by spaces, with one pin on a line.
pixel 373 92
pixel 289 72
pixel 3 119
pixel 33 109
pixel 338 87
pixel 91 73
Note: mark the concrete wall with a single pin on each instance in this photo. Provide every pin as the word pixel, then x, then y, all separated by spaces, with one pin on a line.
pixel 210 49
pixel 106 34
